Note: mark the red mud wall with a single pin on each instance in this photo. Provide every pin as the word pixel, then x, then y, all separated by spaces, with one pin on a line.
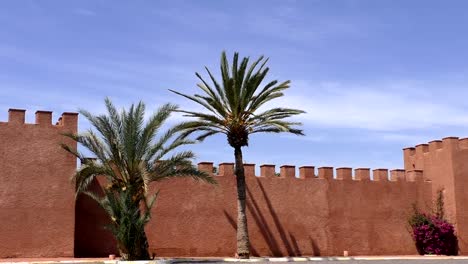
pixel 36 196
pixel 445 163
pixel 461 192
pixel 321 212
pixel 91 238
pixel 287 216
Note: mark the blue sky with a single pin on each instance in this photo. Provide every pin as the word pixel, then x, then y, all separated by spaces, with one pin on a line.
pixel 373 76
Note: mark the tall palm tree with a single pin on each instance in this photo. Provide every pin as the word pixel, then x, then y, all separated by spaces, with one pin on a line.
pixel 130 156
pixel 233 108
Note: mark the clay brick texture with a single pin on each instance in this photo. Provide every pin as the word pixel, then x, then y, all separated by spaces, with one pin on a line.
pixel 37 204
pixel 306 211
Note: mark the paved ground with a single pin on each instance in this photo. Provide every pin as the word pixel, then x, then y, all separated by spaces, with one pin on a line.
pixel 341 260
pixel 398 261
pixel 299 260
pixel 429 261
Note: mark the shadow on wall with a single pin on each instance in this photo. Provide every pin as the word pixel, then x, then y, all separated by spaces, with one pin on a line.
pixel 91 238
pixel 269 234
pixel 275 244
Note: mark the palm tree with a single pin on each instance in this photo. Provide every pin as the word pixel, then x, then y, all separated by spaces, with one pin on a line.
pixel 233 108
pixel 130 156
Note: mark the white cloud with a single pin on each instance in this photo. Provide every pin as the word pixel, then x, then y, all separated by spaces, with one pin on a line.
pixel 382 106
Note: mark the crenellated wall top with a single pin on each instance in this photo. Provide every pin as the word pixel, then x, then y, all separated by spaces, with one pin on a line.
pixel 320 173
pixel 447 143
pixel 17 117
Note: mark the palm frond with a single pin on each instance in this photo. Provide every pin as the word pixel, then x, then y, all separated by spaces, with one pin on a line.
pixel 234 101
pixel 196 100
pixel 152 126
pixel 125 146
pixel 179 166
pixel 187 128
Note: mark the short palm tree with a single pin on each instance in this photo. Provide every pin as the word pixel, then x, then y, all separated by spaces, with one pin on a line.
pixel 130 155
pixel 233 108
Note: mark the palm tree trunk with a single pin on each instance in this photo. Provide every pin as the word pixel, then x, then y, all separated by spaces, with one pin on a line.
pixel 138 251
pixel 243 243
pixel 144 247
pixel 137 247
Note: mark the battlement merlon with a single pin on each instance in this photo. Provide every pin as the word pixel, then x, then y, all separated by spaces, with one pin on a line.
pixel 288 171
pixel 16 116
pixel 44 118
pixel 226 169
pixel 397 175
pixel 380 174
pixel 421 149
pixel 307 172
pixel 249 169
pixel 414 157
pixel 267 170
pixel 68 120
pixel 362 174
pixel 463 143
pixel 344 173
pixel 434 145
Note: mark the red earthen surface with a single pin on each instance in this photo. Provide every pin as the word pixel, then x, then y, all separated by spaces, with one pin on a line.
pixel 287 216
pixel 444 163
pixel 91 239
pixel 37 205
pixel 314 212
